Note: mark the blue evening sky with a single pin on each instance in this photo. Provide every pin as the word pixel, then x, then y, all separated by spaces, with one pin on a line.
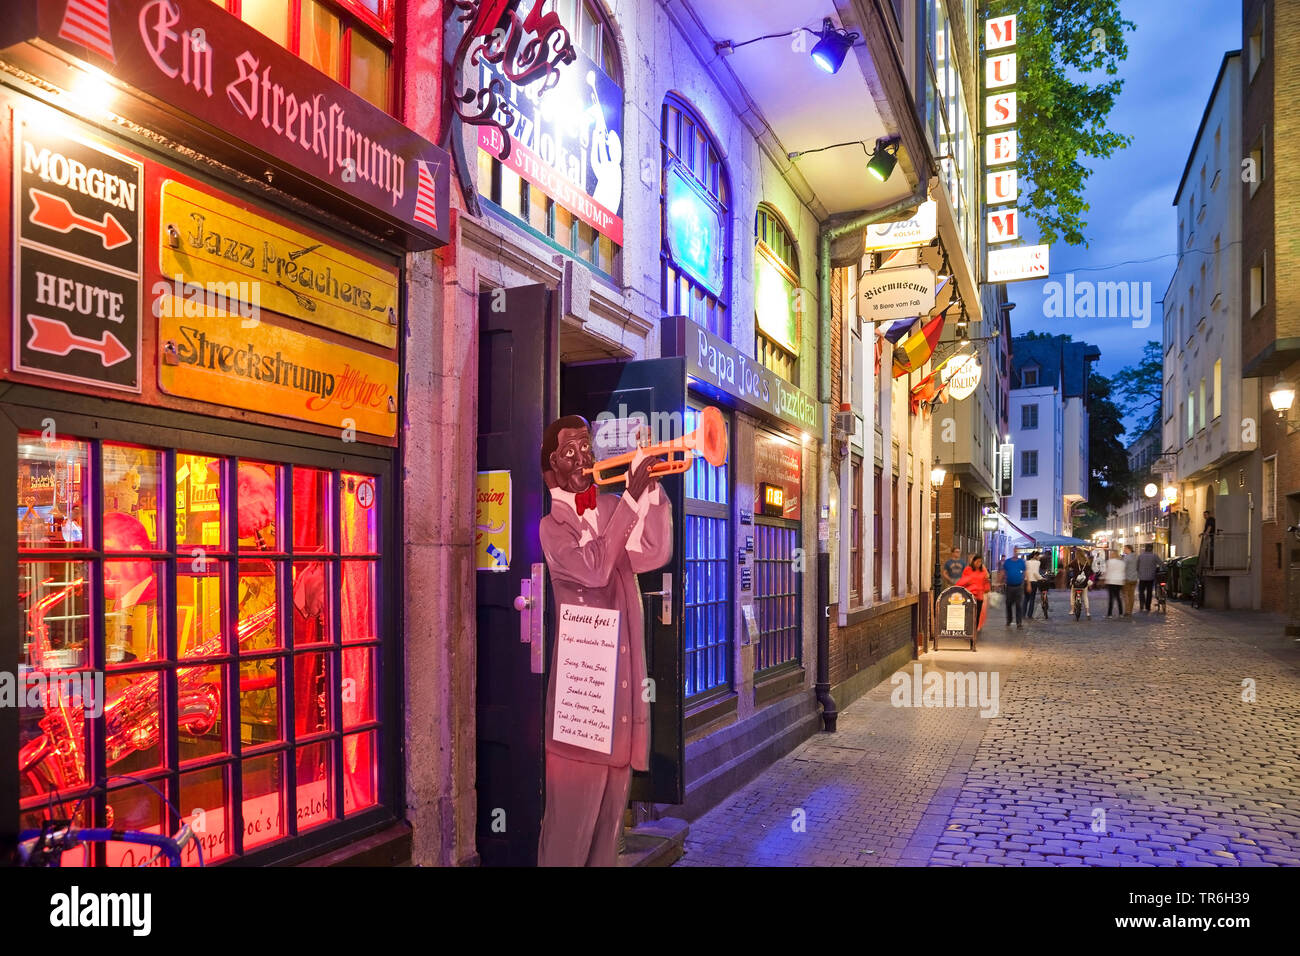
pixel 1174 57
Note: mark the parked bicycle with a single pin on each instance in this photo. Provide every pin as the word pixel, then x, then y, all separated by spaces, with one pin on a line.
pixel 1162 594
pixel 1078 595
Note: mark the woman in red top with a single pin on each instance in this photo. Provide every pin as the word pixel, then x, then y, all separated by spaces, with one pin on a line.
pixel 976 580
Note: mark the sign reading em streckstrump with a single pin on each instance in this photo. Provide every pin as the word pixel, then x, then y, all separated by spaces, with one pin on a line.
pixel 212 80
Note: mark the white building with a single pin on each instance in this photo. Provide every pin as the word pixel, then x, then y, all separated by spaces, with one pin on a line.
pixel 1209 409
pixel 1049 430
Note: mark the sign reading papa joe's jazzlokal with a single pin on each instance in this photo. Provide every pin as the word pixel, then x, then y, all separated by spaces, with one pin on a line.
pixel 214 244
pixel 210 355
pixel 217 83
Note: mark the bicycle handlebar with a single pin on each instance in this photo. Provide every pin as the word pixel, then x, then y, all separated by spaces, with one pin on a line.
pixel 69 838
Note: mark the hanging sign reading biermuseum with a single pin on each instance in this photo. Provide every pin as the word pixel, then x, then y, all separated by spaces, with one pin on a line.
pixel 211 355
pixel 215 82
pixel 212 243
pixel 568 141
pixel 889 294
pixel 79 206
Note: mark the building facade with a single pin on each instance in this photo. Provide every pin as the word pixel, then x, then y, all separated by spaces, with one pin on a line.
pixel 1048 411
pixel 1208 406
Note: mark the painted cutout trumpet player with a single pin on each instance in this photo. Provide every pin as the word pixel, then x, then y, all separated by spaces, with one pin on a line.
pixel 595 545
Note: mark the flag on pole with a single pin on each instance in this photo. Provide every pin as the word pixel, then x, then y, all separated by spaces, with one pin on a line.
pixel 426 206
pixel 917 348
pixel 85 22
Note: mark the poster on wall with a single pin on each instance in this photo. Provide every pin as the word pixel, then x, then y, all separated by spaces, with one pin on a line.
pixel 695 229
pixel 77 256
pixel 492 521
pixel 777 475
pixel 776 302
pixel 568 142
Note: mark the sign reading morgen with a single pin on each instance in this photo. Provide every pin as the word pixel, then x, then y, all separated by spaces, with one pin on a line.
pixel 567 141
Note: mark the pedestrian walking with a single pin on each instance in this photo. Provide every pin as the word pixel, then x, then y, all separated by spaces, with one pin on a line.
pixel 1033 581
pixel 1013 573
pixel 1130 578
pixel 1148 566
pixel 1114 577
pixel 976 580
pixel 953 567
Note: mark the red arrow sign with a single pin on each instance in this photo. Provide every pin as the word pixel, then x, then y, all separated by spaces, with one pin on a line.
pixel 55 338
pixel 55 212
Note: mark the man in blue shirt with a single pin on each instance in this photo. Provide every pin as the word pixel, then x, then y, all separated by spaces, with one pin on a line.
pixel 1013 572
pixel 953 567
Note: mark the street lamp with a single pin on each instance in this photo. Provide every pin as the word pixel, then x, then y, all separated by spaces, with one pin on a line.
pixel 1282 397
pixel 1151 490
pixel 937 474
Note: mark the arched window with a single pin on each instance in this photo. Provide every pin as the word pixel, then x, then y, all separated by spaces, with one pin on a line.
pixel 572 137
pixel 695 255
pixel 777 316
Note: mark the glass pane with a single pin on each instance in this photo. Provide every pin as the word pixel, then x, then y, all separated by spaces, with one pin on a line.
pixel 133 721
pixel 315 784
pixel 257 497
pixel 82 855
pixel 369 76
pixel 132 625
pixel 268 17
pixel 259 627
pixel 205 801
pixel 198 502
pixel 52 600
pixel 53 493
pixel 359 513
pixel 198 609
pixel 358 601
pixel 360 755
pixel 318 38
pixel 311 509
pixel 52 735
pixel 311 695
pixel 259 702
pixel 202 691
pixel 263 809
pixel 358 686
pixel 134 808
pixel 132 486
pixel 311 622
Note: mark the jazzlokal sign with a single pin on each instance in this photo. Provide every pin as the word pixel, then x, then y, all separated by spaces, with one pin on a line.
pixel 193 58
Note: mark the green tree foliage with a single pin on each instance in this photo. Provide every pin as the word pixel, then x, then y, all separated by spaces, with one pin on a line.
pixel 1110 482
pixel 1062 117
pixel 1140 387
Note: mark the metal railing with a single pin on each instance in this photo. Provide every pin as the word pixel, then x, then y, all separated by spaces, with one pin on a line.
pixel 1230 551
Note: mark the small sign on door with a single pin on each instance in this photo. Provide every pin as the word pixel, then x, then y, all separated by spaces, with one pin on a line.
pixel 492 521
pixel 586 659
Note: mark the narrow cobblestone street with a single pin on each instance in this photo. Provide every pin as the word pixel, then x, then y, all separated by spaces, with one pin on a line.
pixel 1116 743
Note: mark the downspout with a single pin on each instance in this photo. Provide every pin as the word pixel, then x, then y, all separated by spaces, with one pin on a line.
pixel 828 234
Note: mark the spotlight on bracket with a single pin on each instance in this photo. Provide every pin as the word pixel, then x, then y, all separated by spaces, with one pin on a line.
pixel 833 47
pixel 885 157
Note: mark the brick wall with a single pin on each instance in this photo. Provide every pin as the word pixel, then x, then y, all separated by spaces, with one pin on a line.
pixel 880 633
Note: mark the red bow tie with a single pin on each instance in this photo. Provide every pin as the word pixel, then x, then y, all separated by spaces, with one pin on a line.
pixel 584 500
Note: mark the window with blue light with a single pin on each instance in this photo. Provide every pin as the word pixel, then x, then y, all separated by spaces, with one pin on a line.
pixel 706 628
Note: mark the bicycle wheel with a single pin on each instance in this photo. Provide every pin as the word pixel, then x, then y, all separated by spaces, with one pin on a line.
pixel 1078 606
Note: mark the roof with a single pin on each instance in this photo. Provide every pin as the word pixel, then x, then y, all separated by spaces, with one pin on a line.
pixel 1209 103
pixel 1063 363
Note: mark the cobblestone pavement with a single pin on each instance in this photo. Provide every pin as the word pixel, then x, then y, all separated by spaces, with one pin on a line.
pixel 1117 743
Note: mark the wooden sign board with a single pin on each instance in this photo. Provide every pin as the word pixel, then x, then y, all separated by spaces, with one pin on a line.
pixel 212 357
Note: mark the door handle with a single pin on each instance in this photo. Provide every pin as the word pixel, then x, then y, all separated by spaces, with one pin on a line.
pixel 531 605
pixel 665 600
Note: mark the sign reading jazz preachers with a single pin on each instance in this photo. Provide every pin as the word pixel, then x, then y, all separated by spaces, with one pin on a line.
pixel 219 78
pixel 78 209
pixel 215 244
pixel 1006 457
pixel 586 660
pixel 210 355
pixel 896 293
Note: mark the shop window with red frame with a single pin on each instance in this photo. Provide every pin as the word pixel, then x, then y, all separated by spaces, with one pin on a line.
pixel 229 605
pixel 350 41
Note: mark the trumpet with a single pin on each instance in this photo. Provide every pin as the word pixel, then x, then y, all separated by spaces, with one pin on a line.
pixel 708 440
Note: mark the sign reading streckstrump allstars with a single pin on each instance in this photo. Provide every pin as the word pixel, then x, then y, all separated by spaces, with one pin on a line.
pixel 568 141
pixel 78 208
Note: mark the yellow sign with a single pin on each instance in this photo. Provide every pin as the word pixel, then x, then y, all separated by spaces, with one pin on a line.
pixel 213 358
pixel 492 520
pixel 211 247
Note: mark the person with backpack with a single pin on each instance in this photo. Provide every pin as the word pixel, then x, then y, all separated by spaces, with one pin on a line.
pixel 1078 576
pixel 1013 573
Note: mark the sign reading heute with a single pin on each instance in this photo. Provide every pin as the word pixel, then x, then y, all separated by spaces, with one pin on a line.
pixel 1018 262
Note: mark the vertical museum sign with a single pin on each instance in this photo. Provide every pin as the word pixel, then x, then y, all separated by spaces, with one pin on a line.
pixel 78 210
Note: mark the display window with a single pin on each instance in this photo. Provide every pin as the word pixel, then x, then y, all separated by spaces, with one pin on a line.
pixel 198 634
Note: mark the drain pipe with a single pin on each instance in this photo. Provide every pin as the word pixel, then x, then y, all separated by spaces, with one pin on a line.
pixel 829 233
